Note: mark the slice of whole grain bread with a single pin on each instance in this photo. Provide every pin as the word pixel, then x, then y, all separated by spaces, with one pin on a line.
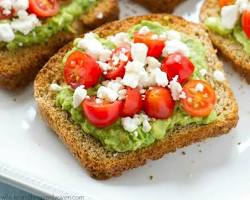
pixel 19 67
pixel 160 6
pixel 103 164
pixel 230 49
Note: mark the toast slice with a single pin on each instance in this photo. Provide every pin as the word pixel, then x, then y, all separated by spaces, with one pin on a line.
pixel 103 164
pixel 160 6
pixel 18 68
pixel 230 49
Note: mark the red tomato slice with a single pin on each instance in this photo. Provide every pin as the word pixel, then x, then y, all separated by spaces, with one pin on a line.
pixel 43 8
pixel 132 104
pixel 158 103
pixel 177 64
pixel 245 20
pixel 118 67
pixel 155 46
pixel 225 2
pixel 81 69
pixel 3 16
pixel 198 103
pixel 101 114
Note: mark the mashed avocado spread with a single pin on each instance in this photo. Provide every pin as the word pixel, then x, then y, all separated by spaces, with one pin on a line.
pixel 214 24
pixel 115 138
pixel 62 21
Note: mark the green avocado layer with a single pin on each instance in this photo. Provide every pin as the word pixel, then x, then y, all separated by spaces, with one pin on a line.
pixel 214 24
pixel 62 21
pixel 115 138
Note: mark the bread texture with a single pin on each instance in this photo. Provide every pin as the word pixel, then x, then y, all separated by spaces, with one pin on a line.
pixel 229 48
pixel 103 164
pixel 19 67
pixel 160 6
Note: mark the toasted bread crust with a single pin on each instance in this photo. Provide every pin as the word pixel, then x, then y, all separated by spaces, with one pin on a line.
pixel 160 6
pixel 230 49
pixel 18 68
pixel 103 164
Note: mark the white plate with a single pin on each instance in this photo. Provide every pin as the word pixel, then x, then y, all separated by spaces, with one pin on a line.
pixel 33 158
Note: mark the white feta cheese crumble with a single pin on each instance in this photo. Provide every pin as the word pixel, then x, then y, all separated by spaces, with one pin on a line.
pixel 229 16
pixel 175 88
pixel 203 72
pixel 199 87
pixel 152 63
pixel 131 124
pixel 25 23
pixel 219 76
pixel 139 52
pixel 159 77
pixel 243 5
pixel 55 87
pixel 6 32
pixel 170 35
pixel 120 39
pixel 79 95
pixel 94 47
pixel 107 94
pixel 144 30
pixel 20 4
pixel 173 46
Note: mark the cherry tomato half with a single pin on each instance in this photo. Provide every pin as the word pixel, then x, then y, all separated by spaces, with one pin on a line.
pixel 3 16
pixel 177 64
pixel 117 64
pixel 81 69
pixel 198 103
pixel 245 20
pixel 101 114
pixel 132 103
pixel 225 2
pixel 158 103
pixel 155 46
pixel 43 8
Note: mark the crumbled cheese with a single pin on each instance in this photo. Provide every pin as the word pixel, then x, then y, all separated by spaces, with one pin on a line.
pixel 183 95
pixel 107 94
pixel 160 77
pixel 104 66
pixel 131 124
pixel 99 15
pixel 229 16
pixel 173 46
pixel 219 76
pixel 154 37
pixel 6 32
pixel 6 4
pixel 242 4
pixel 55 87
pixel 120 39
pixel 203 72
pixel 94 47
pixel 175 88
pixel 171 35
pixel 144 30
pixel 199 87
pixel 152 63
pixel 139 52
pixel 25 23
pixel 79 95
pixel 20 4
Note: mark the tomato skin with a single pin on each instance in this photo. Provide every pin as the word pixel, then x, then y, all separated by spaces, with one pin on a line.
pixel 245 20
pixel 177 64
pixel 202 103
pixel 132 103
pixel 43 8
pixel 159 103
pixel 81 69
pixel 103 114
pixel 225 2
pixel 119 69
pixel 155 46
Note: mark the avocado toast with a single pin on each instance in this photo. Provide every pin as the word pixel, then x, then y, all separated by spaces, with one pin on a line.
pixel 23 54
pixel 225 25
pixel 160 6
pixel 129 141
